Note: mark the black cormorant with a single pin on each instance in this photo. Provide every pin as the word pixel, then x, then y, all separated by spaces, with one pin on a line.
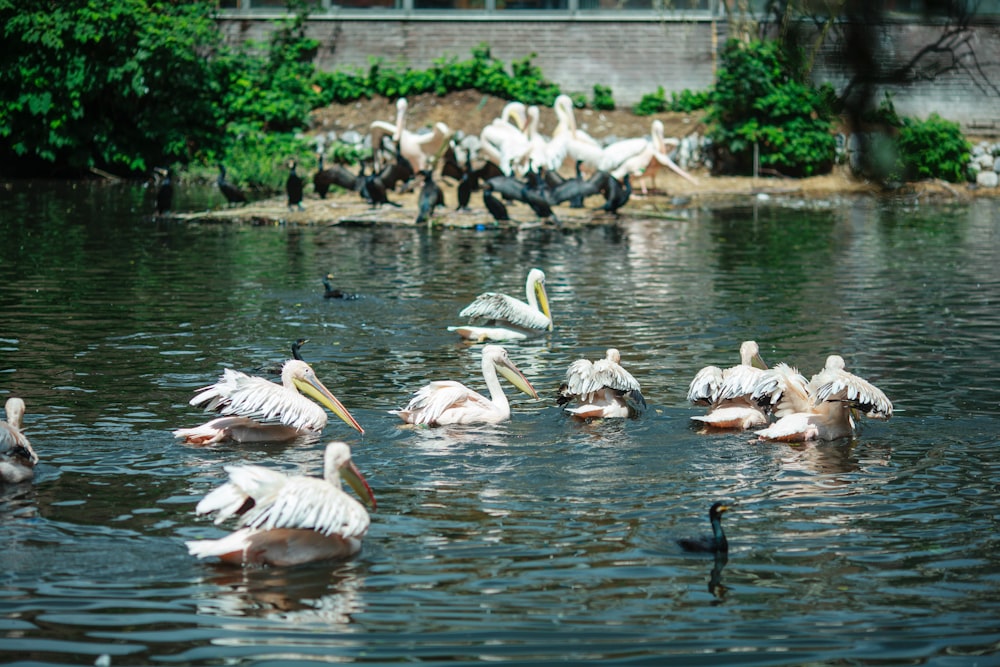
pixel 431 197
pixel 331 292
pixel 709 543
pixel 232 193
pixel 293 186
pixel 165 193
pixel 495 206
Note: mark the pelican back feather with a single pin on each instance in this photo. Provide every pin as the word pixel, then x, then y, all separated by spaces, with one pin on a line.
pixel 784 388
pixel 846 387
pixel 308 503
pixel 704 388
pixel 239 394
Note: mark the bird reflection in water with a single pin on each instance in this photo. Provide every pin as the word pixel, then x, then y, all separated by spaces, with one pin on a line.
pixel 310 594
pixel 715 585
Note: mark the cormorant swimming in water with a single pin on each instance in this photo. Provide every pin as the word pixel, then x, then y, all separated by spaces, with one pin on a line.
pixel 709 543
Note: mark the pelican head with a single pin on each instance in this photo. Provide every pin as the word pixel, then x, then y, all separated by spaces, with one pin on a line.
pixel 536 289
pixel 15 411
pixel 835 362
pixel 750 355
pixel 516 114
pixel 301 376
pixel 337 465
pixel 401 104
pixel 497 356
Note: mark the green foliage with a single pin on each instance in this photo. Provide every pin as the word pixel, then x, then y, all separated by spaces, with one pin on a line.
pixel 760 97
pixel 603 100
pixel 933 148
pixel 119 85
pixel 651 103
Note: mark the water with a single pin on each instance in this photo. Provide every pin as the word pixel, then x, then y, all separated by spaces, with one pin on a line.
pixel 539 539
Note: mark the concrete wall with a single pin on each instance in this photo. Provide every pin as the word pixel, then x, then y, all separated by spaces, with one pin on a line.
pixel 634 56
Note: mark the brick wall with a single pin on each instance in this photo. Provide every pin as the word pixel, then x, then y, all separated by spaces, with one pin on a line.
pixel 634 57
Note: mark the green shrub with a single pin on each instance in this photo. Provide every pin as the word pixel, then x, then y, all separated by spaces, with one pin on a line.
pixel 759 99
pixel 933 148
pixel 603 99
pixel 687 101
pixel 651 103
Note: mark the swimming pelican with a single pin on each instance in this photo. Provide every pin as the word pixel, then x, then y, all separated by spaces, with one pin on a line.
pixel 820 409
pixel 254 409
pixel 447 402
pixel 288 520
pixel 17 457
pixel 601 389
pixel 508 318
pixel 729 393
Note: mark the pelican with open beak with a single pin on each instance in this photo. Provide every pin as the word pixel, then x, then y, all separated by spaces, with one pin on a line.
pixel 288 520
pixel 506 318
pixel 448 402
pixel 253 409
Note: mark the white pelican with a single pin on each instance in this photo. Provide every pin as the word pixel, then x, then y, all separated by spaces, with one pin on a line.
pixel 287 520
pixel 505 137
pixel 601 389
pixel 447 402
pixel 507 318
pixel 729 393
pixel 254 409
pixel 820 409
pixel 17 457
pixel 417 147
pixel 640 157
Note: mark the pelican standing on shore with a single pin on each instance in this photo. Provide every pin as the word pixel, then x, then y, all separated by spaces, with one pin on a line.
pixel 448 402
pixel 729 393
pixel 254 409
pixel 17 457
pixel 823 407
pixel 601 389
pixel 507 318
pixel 288 520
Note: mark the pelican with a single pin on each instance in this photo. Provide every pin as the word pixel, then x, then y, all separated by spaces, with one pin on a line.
pixel 820 409
pixel 729 393
pixel 505 137
pixel 508 318
pixel 254 409
pixel 17 457
pixel 288 520
pixel 640 157
pixel 601 389
pixel 417 148
pixel 447 402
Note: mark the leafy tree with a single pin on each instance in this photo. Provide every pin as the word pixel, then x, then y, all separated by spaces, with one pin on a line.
pixel 761 99
pixel 113 84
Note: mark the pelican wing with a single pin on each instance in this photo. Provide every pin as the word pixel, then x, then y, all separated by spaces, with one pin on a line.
pixel 247 486
pixel 611 374
pixel 308 503
pixel 580 379
pixel 496 307
pixel 432 400
pixel 784 388
pixel 847 387
pixel 704 387
pixel 739 381
pixel 242 395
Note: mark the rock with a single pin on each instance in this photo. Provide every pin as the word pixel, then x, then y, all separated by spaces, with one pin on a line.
pixel 987 179
pixel 996 165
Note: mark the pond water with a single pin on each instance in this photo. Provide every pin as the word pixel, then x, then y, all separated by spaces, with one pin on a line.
pixel 534 540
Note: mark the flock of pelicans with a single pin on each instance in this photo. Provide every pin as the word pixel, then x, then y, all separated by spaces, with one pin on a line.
pixel 516 163
pixel 286 520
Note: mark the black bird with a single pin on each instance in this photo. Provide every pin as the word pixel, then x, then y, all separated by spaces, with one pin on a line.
pixel 373 190
pixel 232 193
pixel 465 185
pixel 275 369
pixel 335 175
pixel 400 171
pixel 332 292
pixel 617 196
pixel 709 543
pixel 431 197
pixel 536 194
pixel 507 186
pixel 293 187
pixel 495 206
pixel 165 193
pixel 450 167
pixel 575 190
pixel 296 346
